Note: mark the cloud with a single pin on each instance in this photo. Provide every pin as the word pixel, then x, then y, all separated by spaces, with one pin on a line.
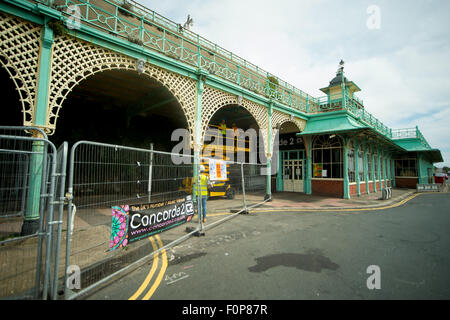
pixel 402 68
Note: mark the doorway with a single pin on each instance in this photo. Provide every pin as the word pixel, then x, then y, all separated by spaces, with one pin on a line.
pixel 293 175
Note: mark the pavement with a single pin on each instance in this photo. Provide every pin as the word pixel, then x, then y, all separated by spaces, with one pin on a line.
pixel 88 248
pixel 90 240
pixel 300 201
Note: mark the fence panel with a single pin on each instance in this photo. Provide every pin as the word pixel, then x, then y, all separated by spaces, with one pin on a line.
pixel 56 274
pixel 255 184
pixel 103 176
pixel 109 185
pixel 25 167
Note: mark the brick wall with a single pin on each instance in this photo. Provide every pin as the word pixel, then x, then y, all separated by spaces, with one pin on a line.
pixel 362 188
pixel 334 188
pixel 352 189
pixel 402 182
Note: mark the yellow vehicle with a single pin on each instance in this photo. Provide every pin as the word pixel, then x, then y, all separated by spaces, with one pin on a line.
pixel 222 188
pixel 219 188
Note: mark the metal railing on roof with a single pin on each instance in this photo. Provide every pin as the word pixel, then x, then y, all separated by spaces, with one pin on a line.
pixel 410 133
pixel 136 23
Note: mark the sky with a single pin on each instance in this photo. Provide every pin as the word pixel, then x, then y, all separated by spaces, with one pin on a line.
pixel 396 51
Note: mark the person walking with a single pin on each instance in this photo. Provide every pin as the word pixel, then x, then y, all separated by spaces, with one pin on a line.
pixel 204 183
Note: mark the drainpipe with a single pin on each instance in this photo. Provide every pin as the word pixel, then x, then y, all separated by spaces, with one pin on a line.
pixel 32 216
pixel 346 182
pixel 198 127
pixel 366 168
pixel 308 144
pixel 269 153
pixel 357 167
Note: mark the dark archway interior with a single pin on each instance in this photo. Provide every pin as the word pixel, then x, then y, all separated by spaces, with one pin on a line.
pixel 234 114
pixel 287 137
pixel 120 107
pixel 241 118
pixel 11 107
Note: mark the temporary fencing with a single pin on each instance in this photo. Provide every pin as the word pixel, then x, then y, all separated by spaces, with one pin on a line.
pixel 29 168
pixel 83 223
pixel 103 176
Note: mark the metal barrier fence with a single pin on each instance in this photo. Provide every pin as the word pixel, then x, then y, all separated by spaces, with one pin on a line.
pixel 102 176
pixel 28 171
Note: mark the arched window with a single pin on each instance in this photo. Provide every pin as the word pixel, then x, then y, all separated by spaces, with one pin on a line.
pixel 327 157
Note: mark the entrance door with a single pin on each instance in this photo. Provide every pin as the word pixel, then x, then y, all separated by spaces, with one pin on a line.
pixel 293 175
pixel 287 176
pixel 297 169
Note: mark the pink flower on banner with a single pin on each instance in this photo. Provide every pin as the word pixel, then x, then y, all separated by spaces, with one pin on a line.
pixel 123 226
pixel 116 239
pixel 125 242
pixel 121 233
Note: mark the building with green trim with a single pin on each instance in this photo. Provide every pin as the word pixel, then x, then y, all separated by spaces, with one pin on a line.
pixel 51 48
pixel 346 152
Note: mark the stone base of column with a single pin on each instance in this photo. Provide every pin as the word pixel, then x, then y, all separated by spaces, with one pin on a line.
pixel 268 197
pixel 30 227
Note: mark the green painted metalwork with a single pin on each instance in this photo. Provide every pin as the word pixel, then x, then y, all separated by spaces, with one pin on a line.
pixel 366 167
pixel 279 181
pixel 345 170
pixel 374 180
pixel 269 153
pixel 197 129
pixel 308 146
pixel 152 31
pixel 384 169
pixel 43 76
pixel 24 10
pixel 36 165
pixel 142 33
pixel 357 167
pixel 379 169
pixel 410 133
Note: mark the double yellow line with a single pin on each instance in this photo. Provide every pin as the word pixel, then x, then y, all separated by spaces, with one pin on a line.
pixel 397 204
pixel 158 244
pixel 152 272
pixel 282 210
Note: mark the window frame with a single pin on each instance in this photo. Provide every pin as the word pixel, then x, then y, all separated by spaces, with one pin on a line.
pixel 332 147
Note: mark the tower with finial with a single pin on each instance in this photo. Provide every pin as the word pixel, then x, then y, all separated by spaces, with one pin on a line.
pixel 340 84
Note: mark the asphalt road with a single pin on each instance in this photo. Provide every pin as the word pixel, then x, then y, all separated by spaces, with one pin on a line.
pixel 306 255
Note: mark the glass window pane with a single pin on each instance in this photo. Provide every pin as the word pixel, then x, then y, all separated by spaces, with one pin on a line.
pixel 326 155
pixel 317 156
pixel 327 167
pixel 336 155
pixel 336 170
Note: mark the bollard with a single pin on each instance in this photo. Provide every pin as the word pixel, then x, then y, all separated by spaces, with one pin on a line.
pixel 386 193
